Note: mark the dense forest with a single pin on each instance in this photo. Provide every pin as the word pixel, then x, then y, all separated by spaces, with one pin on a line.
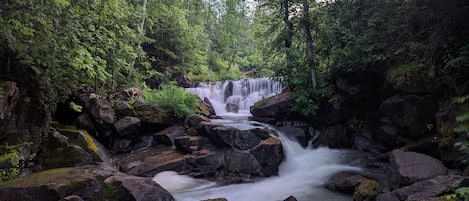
pixel 321 50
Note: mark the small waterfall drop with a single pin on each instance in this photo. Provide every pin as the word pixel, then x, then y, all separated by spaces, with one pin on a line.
pixel 242 93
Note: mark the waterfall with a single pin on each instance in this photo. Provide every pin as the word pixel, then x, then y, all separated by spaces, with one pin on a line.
pixel 301 174
pixel 242 93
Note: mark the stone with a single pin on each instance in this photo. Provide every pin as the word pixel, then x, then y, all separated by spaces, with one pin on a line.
pixel 290 198
pixel 54 184
pixel 138 188
pixel 209 106
pixel 245 140
pixel 194 120
pixel 269 154
pixel 121 145
pixel 273 107
pixel 231 107
pixel 414 115
pixel 167 135
pixel 431 187
pixel 409 167
pixel 344 182
pixel 334 137
pixel 102 111
pixel 223 136
pixel 149 161
pixel 386 134
pixel 128 126
pixel 84 122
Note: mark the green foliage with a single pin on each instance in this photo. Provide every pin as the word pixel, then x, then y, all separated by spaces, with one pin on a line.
pixel 75 107
pixel 460 194
pixel 14 160
pixel 174 98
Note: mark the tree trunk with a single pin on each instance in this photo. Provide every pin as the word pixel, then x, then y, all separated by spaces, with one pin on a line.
pixel 309 44
pixel 288 24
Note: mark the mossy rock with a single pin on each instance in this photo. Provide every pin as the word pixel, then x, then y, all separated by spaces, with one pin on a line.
pixel 53 184
pixel 367 190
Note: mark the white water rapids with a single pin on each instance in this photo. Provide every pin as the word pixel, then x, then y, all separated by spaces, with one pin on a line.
pixel 301 174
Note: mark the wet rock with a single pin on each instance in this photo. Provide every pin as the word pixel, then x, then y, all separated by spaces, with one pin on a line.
pixel 290 198
pixel 277 107
pixel 194 120
pixel 138 188
pixel 245 140
pixel 189 144
pixel 231 107
pixel 204 128
pixel 67 148
pixel 410 167
pixel 269 154
pixel 167 135
pixel 209 106
pixel 223 136
pixel 128 126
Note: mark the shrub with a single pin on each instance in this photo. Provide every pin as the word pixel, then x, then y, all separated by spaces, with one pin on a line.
pixel 174 98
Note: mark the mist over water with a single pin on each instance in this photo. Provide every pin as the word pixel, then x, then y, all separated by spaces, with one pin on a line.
pixel 301 174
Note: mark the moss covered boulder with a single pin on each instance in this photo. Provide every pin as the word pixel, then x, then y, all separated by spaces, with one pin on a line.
pixel 54 184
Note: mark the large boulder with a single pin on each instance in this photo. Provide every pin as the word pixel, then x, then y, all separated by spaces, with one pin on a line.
pixel 414 115
pixel 426 189
pixel 409 167
pixel 138 188
pixel 128 126
pixel 334 137
pixel 278 106
pixel 71 147
pixel 54 184
pixel 149 161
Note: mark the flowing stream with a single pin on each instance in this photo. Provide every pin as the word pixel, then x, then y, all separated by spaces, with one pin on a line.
pixel 301 174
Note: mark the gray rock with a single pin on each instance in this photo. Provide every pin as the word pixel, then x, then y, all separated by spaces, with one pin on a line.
pixel 430 188
pixel 410 167
pixel 138 188
pixel 128 126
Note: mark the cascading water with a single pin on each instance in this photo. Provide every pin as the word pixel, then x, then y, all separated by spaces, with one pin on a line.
pixel 242 93
pixel 301 174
